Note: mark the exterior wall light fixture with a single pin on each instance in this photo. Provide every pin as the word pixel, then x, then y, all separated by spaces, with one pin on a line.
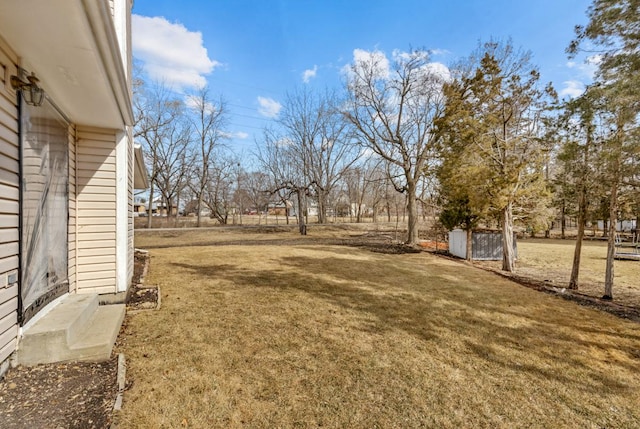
pixel 28 86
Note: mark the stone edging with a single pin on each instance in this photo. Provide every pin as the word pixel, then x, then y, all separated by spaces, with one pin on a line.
pixel 121 381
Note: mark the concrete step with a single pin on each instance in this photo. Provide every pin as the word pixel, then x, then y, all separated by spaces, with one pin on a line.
pixel 76 329
pixel 100 335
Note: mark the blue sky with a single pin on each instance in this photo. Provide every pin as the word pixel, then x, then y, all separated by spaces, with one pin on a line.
pixel 253 51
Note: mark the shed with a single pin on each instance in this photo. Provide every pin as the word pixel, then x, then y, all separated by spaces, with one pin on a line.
pixel 486 245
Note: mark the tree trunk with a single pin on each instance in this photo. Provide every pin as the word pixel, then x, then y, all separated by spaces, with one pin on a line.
pixel 611 241
pixel 508 259
pixel 613 218
pixel 563 221
pixel 302 227
pixel 412 224
pixel 150 214
pixel 169 205
pixel 177 206
pixel 199 219
pixel 469 244
pixel 322 203
pixel 582 220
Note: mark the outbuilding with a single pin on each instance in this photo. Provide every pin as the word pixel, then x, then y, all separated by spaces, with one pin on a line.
pixel 486 245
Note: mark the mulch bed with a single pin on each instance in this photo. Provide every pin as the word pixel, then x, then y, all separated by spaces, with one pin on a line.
pixel 70 395
pixel 141 296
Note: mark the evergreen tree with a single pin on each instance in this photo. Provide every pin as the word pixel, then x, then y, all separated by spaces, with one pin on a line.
pixel 491 132
pixel 612 32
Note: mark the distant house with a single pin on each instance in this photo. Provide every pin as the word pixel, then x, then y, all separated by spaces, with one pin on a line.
pixel 281 209
pixel 160 208
pixel 68 169
pixel 139 206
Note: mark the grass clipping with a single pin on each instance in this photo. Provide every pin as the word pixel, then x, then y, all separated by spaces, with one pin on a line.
pixel 304 335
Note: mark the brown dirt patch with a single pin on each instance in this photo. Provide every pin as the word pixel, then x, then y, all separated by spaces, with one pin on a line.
pixel 73 394
pixel 141 296
pixel 68 395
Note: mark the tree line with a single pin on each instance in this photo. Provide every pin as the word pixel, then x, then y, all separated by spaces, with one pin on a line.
pixel 482 142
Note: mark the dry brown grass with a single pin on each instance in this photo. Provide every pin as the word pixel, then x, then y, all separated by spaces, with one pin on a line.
pixel 255 220
pixel 309 335
pixel 550 260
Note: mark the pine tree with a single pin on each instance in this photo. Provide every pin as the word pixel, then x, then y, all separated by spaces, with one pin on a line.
pixel 491 125
pixel 612 32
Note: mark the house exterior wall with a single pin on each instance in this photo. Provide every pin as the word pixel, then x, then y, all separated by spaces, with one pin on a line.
pixel 97 206
pixel 130 196
pixel 73 204
pixel 100 209
pixel 9 205
pixel 104 194
pixel 124 214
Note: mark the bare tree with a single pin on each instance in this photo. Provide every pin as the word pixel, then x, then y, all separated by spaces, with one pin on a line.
pixel 218 193
pixel 257 188
pixel 208 121
pixel 240 192
pixel 175 159
pixel 393 109
pixel 364 183
pixel 279 158
pixel 156 112
pixel 318 142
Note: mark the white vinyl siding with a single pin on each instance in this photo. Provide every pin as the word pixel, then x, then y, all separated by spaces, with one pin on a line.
pixel 73 206
pixel 96 210
pixel 9 205
pixel 130 164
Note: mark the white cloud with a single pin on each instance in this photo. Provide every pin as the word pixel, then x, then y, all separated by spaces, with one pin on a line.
pixel 376 59
pixel 439 52
pixel 170 52
pixel 268 107
pixel 588 68
pixel 572 88
pixel 309 74
pixel 195 102
pixel 240 135
pixel 382 66
pixel 439 70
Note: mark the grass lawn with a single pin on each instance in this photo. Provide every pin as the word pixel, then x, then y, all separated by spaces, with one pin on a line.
pixel 292 333
pixel 551 260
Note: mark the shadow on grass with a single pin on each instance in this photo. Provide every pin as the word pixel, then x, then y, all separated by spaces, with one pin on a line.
pixel 444 308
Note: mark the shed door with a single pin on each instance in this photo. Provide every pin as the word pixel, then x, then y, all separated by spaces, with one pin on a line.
pixel 45 207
